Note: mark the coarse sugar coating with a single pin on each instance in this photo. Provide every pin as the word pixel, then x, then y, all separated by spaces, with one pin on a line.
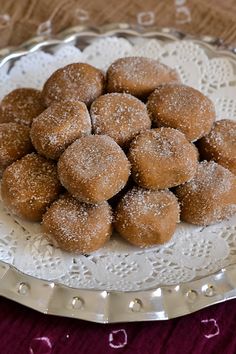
pixel 162 158
pixel 210 197
pixel 21 105
pixel 183 108
pixel 220 144
pixel 74 82
pixel 117 197
pixel 76 226
pixel 147 217
pixel 119 115
pixel 94 168
pixel 58 126
pixel 14 143
pixel 138 76
pixel 29 186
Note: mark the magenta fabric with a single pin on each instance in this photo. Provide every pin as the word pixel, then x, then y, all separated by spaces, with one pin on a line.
pixel 25 331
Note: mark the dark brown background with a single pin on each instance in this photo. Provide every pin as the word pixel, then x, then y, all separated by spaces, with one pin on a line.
pixel 22 19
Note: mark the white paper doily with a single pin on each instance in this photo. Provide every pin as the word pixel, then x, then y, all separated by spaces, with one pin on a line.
pixel 193 251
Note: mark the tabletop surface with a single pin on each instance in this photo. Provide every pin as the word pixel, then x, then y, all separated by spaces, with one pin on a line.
pixel 210 330
pixel 22 19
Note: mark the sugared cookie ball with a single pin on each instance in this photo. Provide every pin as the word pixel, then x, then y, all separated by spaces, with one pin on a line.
pixel 14 143
pixel 29 186
pixel 74 82
pixel 58 126
pixel 94 168
pixel 138 76
pixel 76 226
pixel 21 106
pixel 183 108
pixel 162 158
pixel 116 198
pixel 119 115
pixel 209 197
pixel 145 217
pixel 220 144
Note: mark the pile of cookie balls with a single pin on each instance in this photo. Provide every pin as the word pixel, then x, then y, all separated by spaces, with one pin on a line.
pixel 133 148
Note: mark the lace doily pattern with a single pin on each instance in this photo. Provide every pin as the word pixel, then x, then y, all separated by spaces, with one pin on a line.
pixel 193 251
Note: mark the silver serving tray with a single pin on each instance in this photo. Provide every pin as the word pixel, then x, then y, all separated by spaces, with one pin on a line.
pixel 161 303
